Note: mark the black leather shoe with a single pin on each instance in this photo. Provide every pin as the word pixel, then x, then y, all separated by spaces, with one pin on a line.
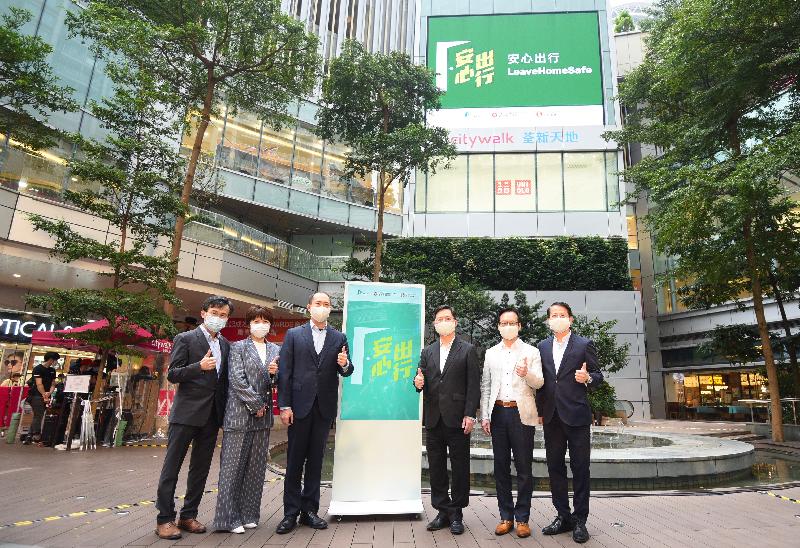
pixel 559 525
pixel 457 527
pixel 439 522
pixel 313 520
pixel 580 534
pixel 286 525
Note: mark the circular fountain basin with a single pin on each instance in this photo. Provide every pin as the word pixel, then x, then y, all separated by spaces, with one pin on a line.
pixel 640 461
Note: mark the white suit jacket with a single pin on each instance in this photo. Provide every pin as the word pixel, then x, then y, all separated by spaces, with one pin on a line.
pixel 525 386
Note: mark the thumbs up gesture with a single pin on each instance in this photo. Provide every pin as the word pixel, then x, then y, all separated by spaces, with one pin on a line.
pixel 522 367
pixel 341 359
pixel 419 380
pixel 581 375
pixel 273 366
pixel 208 362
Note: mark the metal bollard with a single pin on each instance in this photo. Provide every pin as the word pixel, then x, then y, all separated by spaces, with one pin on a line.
pixel 12 428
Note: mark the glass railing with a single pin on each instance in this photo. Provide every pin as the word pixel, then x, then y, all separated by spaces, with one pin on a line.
pixel 213 228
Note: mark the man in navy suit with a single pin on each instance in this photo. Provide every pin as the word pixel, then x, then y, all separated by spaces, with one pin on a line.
pixel 312 357
pixel 569 366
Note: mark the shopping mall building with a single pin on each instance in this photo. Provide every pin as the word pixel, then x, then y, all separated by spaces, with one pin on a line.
pixel 529 88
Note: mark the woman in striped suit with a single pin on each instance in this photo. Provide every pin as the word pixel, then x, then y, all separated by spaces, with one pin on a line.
pixel 252 367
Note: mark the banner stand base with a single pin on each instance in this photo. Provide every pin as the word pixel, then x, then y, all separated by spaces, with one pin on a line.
pixel 375 507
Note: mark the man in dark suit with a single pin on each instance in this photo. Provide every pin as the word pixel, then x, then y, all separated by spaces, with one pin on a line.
pixel 312 357
pixel 199 366
pixel 449 378
pixel 570 369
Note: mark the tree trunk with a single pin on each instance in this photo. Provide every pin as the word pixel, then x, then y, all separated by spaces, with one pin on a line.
pixel 766 347
pixel 191 168
pixel 787 329
pixel 376 270
pixel 99 384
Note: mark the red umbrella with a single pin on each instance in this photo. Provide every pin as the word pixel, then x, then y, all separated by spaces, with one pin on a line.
pixel 71 338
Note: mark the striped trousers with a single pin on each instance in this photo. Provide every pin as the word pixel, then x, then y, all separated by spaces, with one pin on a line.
pixel 243 465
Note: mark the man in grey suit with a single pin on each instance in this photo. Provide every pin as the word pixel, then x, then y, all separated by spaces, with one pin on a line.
pixel 199 366
pixel 449 378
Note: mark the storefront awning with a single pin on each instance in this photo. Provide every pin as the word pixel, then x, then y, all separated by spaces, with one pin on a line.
pixel 71 338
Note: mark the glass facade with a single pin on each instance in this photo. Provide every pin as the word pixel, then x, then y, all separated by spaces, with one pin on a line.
pixel 525 182
pixel 715 395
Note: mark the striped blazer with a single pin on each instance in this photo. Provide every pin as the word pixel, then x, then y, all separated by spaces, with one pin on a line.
pixel 249 387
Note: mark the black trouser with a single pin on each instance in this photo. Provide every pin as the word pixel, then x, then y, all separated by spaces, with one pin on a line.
pixel 557 435
pixel 307 439
pixel 37 404
pixel 439 440
pixel 203 440
pixel 509 436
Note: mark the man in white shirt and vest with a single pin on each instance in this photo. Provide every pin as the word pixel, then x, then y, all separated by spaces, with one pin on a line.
pixel 570 369
pixel 512 371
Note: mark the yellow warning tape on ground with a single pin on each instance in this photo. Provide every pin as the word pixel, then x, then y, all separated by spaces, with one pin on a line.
pixel 787 499
pixel 25 523
pixel 151 445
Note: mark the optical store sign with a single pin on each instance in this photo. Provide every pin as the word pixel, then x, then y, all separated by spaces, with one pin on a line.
pixel 521 69
pixel 20 327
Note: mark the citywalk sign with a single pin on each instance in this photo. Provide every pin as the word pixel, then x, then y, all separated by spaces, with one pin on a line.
pixel 521 68
pixel 378 451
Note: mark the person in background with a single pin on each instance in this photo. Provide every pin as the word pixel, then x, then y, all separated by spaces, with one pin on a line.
pixel 41 385
pixel 189 323
pixel 512 372
pixel 312 358
pixel 449 378
pixel 199 366
pixel 252 366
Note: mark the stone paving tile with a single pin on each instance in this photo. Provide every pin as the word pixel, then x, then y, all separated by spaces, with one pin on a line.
pixel 37 483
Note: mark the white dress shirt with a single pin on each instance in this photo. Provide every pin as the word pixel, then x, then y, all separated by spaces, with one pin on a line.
pixel 213 344
pixel 509 362
pixel 558 350
pixel 261 348
pixel 444 351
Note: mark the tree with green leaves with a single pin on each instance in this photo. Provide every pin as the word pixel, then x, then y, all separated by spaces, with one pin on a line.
pixel 718 93
pixel 29 90
pixel 246 54
pixel 624 22
pixel 132 181
pixel 376 105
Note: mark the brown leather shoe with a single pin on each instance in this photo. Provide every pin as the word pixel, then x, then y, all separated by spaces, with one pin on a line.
pixel 168 531
pixel 504 527
pixel 523 530
pixel 191 526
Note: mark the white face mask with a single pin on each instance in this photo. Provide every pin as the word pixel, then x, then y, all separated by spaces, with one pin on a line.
pixel 559 325
pixel 509 332
pixel 320 313
pixel 259 329
pixel 214 324
pixel 445 329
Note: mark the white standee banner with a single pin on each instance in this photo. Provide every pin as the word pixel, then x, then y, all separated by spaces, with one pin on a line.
pixel 378 451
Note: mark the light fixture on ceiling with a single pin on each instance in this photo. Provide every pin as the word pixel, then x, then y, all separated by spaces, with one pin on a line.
pixel 17 275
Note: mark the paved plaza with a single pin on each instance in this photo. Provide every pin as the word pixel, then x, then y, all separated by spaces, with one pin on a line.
pixel 105 498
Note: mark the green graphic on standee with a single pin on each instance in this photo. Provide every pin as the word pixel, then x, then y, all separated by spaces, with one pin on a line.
pixel 529 60
pixel 387 343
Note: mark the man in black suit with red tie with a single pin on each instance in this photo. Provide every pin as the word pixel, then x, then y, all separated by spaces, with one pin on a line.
pixel 570 370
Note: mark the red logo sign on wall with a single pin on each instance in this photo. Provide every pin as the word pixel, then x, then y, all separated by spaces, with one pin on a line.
pixel 520 187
